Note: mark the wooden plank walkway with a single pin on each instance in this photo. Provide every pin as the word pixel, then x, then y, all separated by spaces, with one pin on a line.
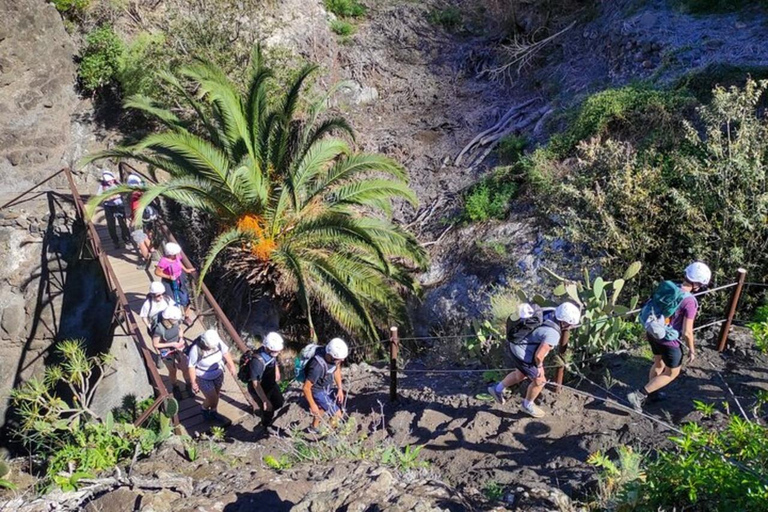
pixel 135 284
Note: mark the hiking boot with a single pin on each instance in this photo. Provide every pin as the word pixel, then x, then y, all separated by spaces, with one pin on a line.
pixel 499 397
pixel 206 415
pixel 177 394
pixel 657 396
pixel 636 400
pixel 218 418
pixel 313 431
pixel 532 410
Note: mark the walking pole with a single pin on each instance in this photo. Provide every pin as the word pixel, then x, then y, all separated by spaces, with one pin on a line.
pixel 731 309
pixel 393 345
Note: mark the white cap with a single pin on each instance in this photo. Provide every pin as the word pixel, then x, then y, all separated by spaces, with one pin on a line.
pixel 172 313
pixel 107 176
pixel 133 180
pixel 172 249
pixel 569 313
pixel 211 338
pixel 156 288
pixel 273 342
pixel 698 272
pixel 524 311
pixel 337 348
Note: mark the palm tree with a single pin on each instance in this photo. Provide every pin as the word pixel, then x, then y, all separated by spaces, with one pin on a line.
pixel 298 210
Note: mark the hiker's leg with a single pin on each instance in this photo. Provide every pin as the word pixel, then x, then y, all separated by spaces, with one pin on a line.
pixel 124 231
pixel 211 398
pixel 513 378
pixel 657 368
pixel 171 366
pixel 662 380
pixel 535 388
pixel 109 214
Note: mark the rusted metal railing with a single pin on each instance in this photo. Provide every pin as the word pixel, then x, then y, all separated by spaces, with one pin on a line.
pixel 123 314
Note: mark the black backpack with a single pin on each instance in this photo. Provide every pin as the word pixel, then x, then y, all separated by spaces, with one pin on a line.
pixel 518 329
pixel 244 367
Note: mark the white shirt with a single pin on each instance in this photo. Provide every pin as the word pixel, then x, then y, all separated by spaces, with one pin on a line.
pixel 209 364
pixel 152 307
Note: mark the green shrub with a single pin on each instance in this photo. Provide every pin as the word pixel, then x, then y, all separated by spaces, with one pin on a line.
pixel 71 7
pixel 100 61
pixel 449 18
pixel 346 8
pixel 342 28
pixel 139 63
pixel 489 199
pixel 511 148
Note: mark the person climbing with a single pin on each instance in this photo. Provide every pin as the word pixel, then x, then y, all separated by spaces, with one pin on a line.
pixel 156 302
pixel 114 210
pixel 540 332
pixel 321 372
pixel 264 376
pixel 171 270
pixel 135 181
pixel 168 340
pixel 139 235
pixel 207 358
pixel 666 346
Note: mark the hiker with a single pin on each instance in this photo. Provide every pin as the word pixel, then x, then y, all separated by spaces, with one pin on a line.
pixel 157 302
pixel 538 331
pixel 144 236
pixel 114 210
pixel 207 358
pixel 264 376
pixel 664 330
pixel 135 181
pixel 321 372
pixel 171 270
pixel 168 340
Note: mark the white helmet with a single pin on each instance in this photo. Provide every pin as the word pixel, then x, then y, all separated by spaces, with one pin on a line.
pixel 172 249
pixel 337 349
pixel 569 313
pixel 107 176
pixel 172 313
pixel 133 180
pixel 211 338
pixel 698 272
pixel 273 342
pixel 156 288
pixel 524 311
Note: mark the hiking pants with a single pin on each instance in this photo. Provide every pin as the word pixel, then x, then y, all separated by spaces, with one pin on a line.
pixel 276 399
pixel 112 212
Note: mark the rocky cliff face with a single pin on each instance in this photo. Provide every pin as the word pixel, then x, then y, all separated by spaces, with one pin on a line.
pixel 37 98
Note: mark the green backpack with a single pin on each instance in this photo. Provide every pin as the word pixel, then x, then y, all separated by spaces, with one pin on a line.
pixel 662 305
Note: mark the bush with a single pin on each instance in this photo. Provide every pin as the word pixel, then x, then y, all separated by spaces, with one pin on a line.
pixel 100 61
pixel 342 28
pixel 511 148
pixel 72 8
pixel 346 8
pixel 489 199
pixel 142 59
pixel 449 18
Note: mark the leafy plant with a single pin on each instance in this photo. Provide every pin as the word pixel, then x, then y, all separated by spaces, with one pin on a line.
pixel 72 8
pixel 449 18
pixel 760 335
pixel 300 213
pixel 604 325
pixel 6 484
pixel 342 28
pixel 190 449
pixel 404 459
pixel 100 60
pixel 705 409
pixel 511 148
pixel 489 199
pixel 493 490
pixel 71 482
pixel 140 62
pixel 617 478
pixel 347 8
pixel 279 464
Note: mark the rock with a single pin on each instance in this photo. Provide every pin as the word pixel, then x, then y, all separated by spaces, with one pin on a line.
pixel 119 500
pixel 647 64
pixel 353 93
pixel 161 501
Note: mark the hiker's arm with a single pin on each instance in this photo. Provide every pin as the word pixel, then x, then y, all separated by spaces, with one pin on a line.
pixel 230 364
pixel 688 336
pixel 337 379
pixel 540 355
pixel 191 369
pixel 161 273
pixel 277 371
pixel 313 408
pixel 265 403
pixel 156 342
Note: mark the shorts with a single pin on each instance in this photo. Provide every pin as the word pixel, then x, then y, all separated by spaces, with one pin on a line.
pixel 671 355
pixel 210 385
pixel 530 370
pixel 326 400
pixel 138 236
pixel 171 356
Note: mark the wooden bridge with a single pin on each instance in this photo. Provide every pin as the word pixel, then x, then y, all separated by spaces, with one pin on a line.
pixel 130 285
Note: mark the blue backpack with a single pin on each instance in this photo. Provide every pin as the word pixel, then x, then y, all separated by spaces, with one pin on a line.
pixel 657 312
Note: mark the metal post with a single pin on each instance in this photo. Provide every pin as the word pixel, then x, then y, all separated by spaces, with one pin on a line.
pixel 393 345
pixel 565 336
pixel 741 276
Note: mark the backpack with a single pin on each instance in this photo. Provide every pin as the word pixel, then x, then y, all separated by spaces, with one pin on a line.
pixel 150 214
pixel 244 368
pixel 307 353
pixel 657 312
pixel 518 329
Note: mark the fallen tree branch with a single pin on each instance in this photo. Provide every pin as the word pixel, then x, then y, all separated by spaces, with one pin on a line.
pixel 500 124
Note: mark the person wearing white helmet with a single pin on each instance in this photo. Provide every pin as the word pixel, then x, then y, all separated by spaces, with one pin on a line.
pixel 157 302
pixel 322 372
pixel 264 376
pixel 168 340
pixel 542 330
pixel 668 354
pixel 207 358
pixel 171 270
pixel 114 210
